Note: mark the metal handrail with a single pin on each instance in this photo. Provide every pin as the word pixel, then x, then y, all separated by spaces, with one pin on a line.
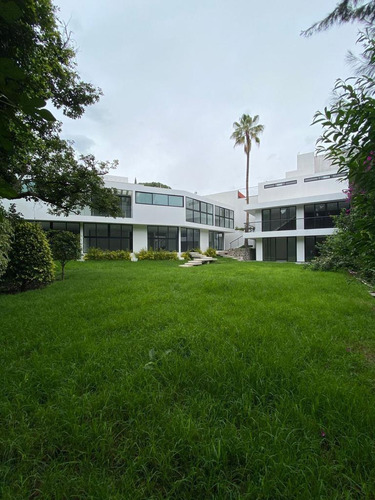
pixel 233 241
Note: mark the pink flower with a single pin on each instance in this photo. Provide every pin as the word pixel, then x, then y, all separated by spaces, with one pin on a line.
pixel 323 434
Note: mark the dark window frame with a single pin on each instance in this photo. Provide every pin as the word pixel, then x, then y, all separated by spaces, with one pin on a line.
pixel 273 219
pixel 320 216
pixel 199 212
pixel 101 236
pixel 224 217
pixel 190 238
pixel 53 223
pixel 155 242
pixel 272 249
pixel 170 197
pixel 216 240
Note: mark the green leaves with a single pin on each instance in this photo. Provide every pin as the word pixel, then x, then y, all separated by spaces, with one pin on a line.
pixel 10 11
pixel 7 191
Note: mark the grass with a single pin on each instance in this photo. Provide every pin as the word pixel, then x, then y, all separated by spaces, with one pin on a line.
pixel 228 381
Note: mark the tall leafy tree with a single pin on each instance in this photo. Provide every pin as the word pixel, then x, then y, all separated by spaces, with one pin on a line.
pixel 246 131
pixel 37 66
pixel 348 140
pixel 345 11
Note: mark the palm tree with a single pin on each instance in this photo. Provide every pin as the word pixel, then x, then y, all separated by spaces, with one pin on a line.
pixel 247 130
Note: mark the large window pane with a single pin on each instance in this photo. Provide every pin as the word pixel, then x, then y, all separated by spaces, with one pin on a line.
pixel 102 230
pixel 160 199
pixel 115 230
pixel 145 198
pixel 283 249
pixel 189 215
pixel 320 214
pixel 292 250
pixel 279 219
pixel 73 227
pixel 89 230
pixel 107 236
pixel 162 238
pixel 176 201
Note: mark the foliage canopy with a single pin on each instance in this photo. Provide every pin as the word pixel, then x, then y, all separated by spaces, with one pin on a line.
pixel 37 66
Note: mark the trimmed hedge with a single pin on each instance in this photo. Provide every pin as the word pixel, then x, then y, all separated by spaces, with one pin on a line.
pixel 98 254
pixel 156 255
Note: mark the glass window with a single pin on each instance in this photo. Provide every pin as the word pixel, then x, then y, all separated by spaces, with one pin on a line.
pixel 198 211
pixel 73 227
pixel 163 238
pixel 189 215
pixel 45 225
pixel 115 230
pixel 320 214
pixel 312 246
pixel 89 229
pixel 160 199
pixel 224 217
pixel 216 240
pixel 102 230
pixel 279 219
pixel 190 239
pixel 145 198
pixel 107 236
pixel 175 201
pixel 59 226
pixel 283 249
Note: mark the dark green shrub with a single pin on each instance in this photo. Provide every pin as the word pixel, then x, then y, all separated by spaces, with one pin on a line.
pixel 30 259
pixel 98 254
pixel 345 250
pixel 65 246
pixel 156 255
pixel 210 252
pixel 6 235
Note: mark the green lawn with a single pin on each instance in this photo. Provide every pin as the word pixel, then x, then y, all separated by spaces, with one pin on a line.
pixel 233 380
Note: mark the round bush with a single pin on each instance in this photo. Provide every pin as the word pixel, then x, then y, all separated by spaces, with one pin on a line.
pixel 30 259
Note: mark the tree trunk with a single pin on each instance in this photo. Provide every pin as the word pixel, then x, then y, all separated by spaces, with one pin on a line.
pixel 247 192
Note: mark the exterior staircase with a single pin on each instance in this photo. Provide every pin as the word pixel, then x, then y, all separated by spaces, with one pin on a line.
pixel 198 260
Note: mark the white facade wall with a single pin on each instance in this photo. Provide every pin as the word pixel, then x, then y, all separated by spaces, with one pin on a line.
pixel 142 215
pixel 315 181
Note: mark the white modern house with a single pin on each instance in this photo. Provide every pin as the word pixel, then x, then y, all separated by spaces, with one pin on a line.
pixel 288 216
pixel 152 218
pixel 292 215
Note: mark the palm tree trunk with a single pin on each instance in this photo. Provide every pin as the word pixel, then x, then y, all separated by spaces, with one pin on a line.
pixel 247 192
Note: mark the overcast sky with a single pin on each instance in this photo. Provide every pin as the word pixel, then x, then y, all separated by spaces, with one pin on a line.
pixel 177 74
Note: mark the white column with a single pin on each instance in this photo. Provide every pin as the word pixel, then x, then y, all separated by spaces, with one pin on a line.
pixel 259 249
pixel 300 214
pixel 81 237
pixel 300 249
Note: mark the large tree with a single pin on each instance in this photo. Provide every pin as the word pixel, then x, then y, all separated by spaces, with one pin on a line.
pixel 37 67
pixel 247 131
pixel 348 140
